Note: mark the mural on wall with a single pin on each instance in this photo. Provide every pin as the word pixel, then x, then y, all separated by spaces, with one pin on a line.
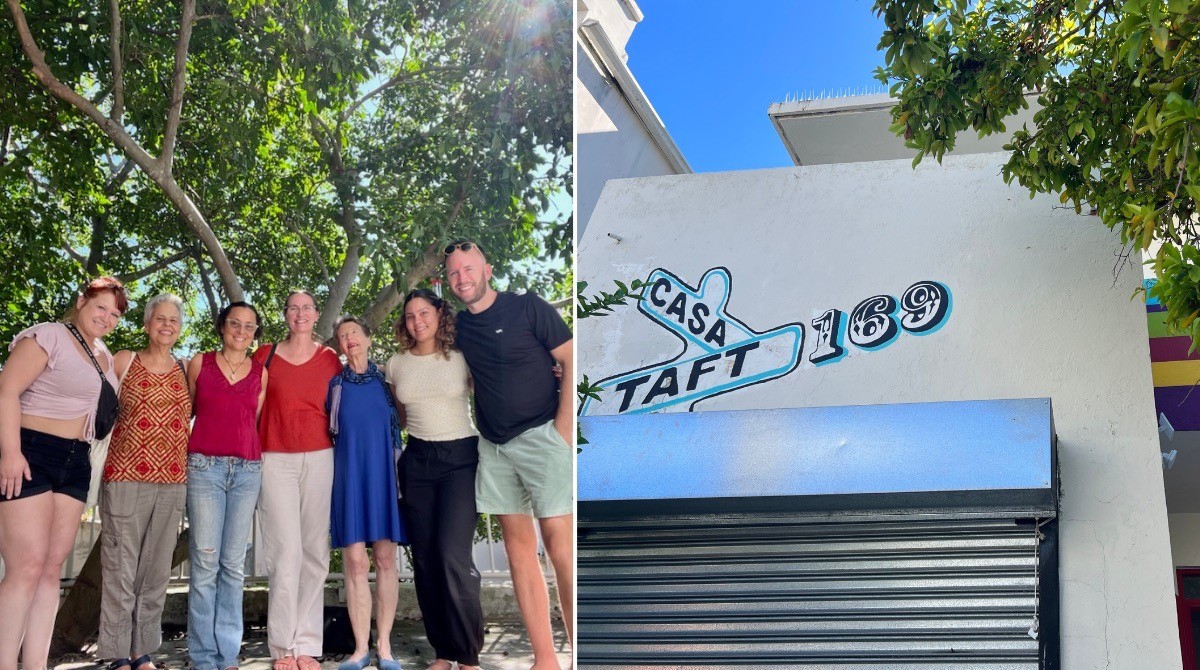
pixel 722 354
pixel 1175 371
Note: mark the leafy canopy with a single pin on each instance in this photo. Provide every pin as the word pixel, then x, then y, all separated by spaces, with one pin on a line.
pixel 1117 86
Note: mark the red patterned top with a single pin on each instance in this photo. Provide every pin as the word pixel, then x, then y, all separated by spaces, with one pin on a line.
pixel 149 442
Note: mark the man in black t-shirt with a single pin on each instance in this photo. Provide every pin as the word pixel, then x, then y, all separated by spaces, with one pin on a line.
pixel 511 342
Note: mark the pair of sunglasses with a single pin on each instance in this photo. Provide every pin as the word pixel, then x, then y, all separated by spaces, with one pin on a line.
pixel 461 246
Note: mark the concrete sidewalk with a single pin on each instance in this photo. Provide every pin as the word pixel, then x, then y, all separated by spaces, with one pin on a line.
pixel 505 647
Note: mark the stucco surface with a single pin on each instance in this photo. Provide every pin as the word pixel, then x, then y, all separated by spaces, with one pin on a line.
pixel 1041 308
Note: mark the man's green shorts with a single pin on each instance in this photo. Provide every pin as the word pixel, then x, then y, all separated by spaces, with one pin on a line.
pixel 529 474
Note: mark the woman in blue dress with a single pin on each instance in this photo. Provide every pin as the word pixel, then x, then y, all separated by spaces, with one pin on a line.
pixel 365 510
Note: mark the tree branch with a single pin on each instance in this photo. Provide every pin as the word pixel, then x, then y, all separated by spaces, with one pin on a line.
pixel 213 306
pixel 153 267
pixel 396 80
pixel 178 82
pixel 119 177
pixel 312 247
pixel 118 107
pixel 330 146
pixel 46 77
pixel 96 248
pixel 389 298
pixel 159 171
pixel 74 254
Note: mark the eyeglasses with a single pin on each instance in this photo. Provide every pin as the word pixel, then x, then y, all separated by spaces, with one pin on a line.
pixel 238 325
pixel 461 246
pixel 296 309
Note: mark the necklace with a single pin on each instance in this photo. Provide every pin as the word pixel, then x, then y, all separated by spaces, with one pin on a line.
pixel 233 371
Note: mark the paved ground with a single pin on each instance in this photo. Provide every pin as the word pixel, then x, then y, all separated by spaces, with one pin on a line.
pixel 504 648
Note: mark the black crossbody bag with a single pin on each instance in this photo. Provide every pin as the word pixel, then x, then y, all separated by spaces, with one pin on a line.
pixel 108 407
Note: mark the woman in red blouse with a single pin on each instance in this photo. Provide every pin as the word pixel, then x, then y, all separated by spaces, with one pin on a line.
pixel 297 481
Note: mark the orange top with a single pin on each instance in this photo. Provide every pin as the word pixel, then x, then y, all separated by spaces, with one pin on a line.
pixel 150 441
pixel 293 415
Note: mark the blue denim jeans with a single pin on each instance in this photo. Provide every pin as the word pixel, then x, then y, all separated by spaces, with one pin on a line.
pixel 221 495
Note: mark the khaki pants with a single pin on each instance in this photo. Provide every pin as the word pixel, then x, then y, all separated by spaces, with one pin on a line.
pixel 139 528
pixel 293 514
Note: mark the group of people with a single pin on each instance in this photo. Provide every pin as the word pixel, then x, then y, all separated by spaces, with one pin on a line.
pixel 315 445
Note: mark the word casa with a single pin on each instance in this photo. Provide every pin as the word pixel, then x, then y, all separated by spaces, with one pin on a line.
pixel 720 353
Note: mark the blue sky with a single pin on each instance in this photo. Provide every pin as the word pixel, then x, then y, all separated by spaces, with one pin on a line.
pixel 711 69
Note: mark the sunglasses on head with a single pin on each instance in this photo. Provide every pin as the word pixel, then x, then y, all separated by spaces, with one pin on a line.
pixel 461 246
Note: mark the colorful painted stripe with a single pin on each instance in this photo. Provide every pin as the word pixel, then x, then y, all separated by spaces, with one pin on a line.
pixel 1149 284
pixel 1181 404
pixel 1155 308
pixel 1156 325
pixel 1176 373
pixel 1164 349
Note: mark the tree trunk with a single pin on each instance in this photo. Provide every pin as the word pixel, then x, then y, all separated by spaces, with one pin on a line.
pixel 79 616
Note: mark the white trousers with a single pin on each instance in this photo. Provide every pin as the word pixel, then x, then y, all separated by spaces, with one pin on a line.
pixel 293 509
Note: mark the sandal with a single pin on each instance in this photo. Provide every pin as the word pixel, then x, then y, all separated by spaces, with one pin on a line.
pixel 307 663
pixel 281 663
pixel 120 663
pixel 142 660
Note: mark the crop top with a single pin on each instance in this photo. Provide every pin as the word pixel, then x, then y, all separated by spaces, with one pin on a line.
pixel 69 387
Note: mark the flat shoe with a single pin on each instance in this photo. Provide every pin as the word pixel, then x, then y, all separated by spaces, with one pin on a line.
pixel 351 664
pixel 388 664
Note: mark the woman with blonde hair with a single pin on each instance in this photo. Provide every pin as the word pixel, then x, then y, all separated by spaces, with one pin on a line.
pixel 57 392
pixel 297 481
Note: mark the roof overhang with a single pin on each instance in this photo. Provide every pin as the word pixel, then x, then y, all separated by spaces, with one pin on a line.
pixel 854 129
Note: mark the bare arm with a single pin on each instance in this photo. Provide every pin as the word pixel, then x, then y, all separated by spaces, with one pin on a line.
pixel 27 361
pixel 565 417
pixel 399 405
pixel 121 362
pixel 262 397
pixel 193 372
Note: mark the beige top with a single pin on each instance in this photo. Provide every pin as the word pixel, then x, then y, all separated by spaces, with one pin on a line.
pixel 434 393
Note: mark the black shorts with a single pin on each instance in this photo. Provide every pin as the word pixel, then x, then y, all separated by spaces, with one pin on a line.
pixel 57 465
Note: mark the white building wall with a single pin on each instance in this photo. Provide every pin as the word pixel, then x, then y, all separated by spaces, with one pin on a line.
pixel 617 17
pixel 1037 312
pixel 1185 539
pixel 612 139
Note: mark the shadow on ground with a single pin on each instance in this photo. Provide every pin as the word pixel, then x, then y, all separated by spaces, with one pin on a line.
pixel 505 647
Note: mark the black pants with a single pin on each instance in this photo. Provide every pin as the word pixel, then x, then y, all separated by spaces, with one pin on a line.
pixel 437 481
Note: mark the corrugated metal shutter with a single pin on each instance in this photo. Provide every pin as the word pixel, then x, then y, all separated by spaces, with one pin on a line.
pixel 853 592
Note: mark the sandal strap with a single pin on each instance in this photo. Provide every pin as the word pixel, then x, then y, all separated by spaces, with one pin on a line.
pixel 140 661
pixel 119 663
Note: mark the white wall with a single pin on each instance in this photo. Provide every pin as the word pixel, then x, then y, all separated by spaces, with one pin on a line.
pixel 612 141
pixel 617 17
pixel 1185 539
pixel 1036 312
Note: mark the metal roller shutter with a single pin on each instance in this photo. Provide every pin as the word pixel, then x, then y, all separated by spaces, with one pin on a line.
pixel 861 591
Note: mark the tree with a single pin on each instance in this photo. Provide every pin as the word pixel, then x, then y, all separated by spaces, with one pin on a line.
pixel 249 148
pixel 1117 84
